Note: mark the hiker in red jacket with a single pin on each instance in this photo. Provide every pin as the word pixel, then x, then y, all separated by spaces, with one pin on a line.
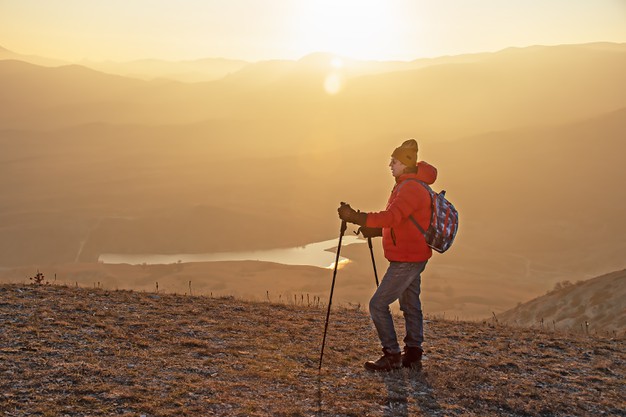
pixel 406 250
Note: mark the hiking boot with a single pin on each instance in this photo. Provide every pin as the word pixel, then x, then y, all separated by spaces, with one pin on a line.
pixel 412 357
pixel 386 363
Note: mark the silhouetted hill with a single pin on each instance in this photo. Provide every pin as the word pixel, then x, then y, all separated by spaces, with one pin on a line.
pixel 53 96
pixel 77 351
pixel 320 63
pixel 511 88
pixel 200 70
pixel 597 305
pixel 507 89
pixel 6 54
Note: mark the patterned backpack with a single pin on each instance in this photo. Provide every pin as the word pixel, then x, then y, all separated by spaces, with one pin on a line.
pixel 444 221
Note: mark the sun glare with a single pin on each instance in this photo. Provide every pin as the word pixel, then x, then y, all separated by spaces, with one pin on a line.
pixel 355 29
pixel 332 83
pixel 336 63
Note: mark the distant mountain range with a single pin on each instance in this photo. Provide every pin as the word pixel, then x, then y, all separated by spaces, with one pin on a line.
pixel 597 304
pixel 441 99
pixel 33 59
pixel 146 69
pixel 529 144
pixel 211 69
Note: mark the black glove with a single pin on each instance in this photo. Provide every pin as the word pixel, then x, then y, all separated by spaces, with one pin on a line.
pixel 370 231
pixel 348 214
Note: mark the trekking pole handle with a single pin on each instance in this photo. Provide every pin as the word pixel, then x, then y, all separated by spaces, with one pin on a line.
pixel 344 225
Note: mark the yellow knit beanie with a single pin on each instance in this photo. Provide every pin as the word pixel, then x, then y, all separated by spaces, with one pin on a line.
pixel 406 153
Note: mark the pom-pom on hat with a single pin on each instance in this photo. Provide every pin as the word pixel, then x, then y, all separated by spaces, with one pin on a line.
pixel 406 153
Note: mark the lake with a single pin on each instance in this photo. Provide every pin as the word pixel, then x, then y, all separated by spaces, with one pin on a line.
pixel 315 254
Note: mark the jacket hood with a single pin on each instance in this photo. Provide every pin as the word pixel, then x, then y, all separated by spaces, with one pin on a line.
pixel 425 172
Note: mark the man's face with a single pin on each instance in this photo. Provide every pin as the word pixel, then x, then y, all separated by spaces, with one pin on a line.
pixel 397 167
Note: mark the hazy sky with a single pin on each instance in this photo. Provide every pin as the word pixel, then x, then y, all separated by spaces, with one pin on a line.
pixel 278 29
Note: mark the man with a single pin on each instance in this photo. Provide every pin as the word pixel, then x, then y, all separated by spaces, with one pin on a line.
pixel 406 249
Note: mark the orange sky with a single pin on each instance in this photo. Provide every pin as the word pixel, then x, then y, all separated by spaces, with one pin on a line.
pixel 288 29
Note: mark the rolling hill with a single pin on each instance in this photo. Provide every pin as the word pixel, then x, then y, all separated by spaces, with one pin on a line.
pixel 199 70
pixel 504 90
pixel 597 304
pixel 6 54
pixel 190 71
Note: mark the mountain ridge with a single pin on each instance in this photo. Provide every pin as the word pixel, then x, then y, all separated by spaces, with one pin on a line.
pixel 510 88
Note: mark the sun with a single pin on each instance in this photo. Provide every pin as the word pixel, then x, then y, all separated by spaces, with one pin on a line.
pixel 351 28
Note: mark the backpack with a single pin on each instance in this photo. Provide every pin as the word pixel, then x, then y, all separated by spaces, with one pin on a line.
pixel 444 220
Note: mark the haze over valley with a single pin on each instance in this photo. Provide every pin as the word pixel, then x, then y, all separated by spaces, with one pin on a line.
pixel 237 156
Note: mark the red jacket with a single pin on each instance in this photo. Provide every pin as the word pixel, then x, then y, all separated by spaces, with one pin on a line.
pixel 402 240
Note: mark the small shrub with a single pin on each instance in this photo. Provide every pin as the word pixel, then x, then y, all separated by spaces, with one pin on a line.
pixel 39 279
pixel 561 286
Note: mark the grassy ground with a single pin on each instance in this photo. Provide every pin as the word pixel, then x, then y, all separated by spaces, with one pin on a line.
pixel 78 352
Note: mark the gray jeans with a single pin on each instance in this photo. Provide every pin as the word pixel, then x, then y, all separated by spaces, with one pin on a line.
pixel 401 282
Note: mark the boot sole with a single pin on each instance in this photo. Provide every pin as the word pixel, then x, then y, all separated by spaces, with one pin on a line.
pixel 374 368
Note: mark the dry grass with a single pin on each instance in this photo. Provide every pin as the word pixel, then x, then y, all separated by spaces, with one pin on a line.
pixel 75 352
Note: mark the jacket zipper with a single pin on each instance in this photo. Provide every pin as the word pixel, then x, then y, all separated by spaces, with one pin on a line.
pixel 393 237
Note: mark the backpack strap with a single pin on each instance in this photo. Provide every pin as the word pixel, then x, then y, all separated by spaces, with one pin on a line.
pixel 432 211
pixel 418 225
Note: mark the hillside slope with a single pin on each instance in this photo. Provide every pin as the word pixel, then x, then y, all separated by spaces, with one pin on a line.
pixel 599 303
pixel 73 351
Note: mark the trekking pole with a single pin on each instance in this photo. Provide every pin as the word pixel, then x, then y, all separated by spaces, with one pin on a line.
pixel 332 288
pixel 369 243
